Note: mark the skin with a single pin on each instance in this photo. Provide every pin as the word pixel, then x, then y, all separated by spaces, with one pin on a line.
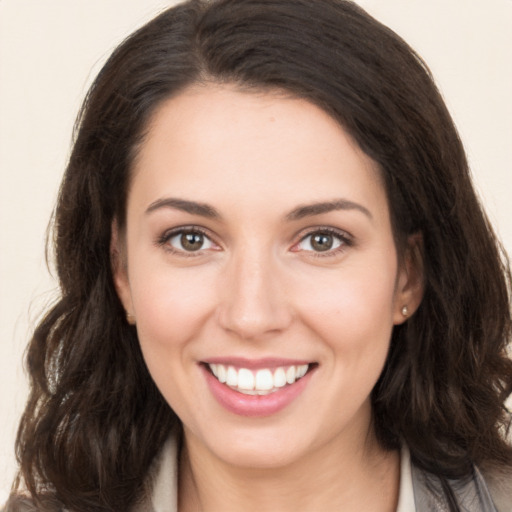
pixel 258 288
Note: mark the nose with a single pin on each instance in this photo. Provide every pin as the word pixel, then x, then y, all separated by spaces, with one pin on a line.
pixel 253 301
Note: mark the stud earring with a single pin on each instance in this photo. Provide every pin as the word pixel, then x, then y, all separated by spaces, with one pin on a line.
pixel 405 311
pixel 130 318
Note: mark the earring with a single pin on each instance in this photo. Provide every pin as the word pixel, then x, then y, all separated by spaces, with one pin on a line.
pixel 130 318
pixel 405 311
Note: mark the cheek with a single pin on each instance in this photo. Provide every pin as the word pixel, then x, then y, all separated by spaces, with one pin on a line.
pixel 170 307
pixel 171 310
pixel 353 309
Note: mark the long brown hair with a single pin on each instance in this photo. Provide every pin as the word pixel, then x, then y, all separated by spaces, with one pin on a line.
pixel 95 420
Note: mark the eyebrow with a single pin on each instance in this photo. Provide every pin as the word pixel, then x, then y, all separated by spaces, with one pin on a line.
pixel 192 207
pixel 205 210
pixel 325 207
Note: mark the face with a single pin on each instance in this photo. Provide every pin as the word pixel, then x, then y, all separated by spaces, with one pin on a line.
pixel 262 273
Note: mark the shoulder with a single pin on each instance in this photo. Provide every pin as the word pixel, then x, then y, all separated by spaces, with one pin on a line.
pixel 499 484
pixel 161 486
pixel 482 492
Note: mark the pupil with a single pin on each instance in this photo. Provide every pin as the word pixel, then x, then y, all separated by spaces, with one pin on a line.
pixel 322 242
pixel 192 241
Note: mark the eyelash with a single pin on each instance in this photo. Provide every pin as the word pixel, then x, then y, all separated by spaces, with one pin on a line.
pixel 164 239
pixel 345 239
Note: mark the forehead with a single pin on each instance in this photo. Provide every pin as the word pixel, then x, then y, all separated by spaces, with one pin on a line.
pixel 208 139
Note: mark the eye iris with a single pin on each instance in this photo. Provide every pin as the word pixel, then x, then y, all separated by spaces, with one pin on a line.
pixel 322 242
pixel 192 241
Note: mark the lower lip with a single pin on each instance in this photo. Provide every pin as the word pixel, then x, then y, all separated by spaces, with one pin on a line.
pixel 255 405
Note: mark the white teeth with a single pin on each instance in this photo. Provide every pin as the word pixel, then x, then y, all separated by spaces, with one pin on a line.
pixel 245 379
pixel 279 378
pixel 290 375
pixel 231 377
pixel 261 382
pixel 264 380
pixel 301 370
pixel 221 373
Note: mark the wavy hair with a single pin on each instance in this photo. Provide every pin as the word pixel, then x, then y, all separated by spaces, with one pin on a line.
pixel 95 420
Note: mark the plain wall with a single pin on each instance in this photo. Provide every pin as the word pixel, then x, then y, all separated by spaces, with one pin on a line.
pixel 50 50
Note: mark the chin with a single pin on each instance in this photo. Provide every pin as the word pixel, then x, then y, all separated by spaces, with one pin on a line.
pixel 259 448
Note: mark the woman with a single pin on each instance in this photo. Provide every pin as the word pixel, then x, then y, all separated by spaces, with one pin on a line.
pixel 278 287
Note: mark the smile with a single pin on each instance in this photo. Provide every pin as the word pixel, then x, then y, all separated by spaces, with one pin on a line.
pixel 257 388
pixel 258 382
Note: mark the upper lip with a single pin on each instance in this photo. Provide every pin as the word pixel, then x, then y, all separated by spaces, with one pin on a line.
pixel 265 362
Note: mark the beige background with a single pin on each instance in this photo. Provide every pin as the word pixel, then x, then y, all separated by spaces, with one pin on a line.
pixel 51 49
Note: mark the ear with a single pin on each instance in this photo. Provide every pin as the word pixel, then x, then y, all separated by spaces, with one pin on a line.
pixel 410 280
pixel 118 262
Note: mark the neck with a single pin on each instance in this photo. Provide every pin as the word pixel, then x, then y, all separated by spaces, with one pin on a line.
pixel 345 476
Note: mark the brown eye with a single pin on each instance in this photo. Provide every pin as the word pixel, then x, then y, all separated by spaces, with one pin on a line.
pixel 189 241
pixel 322 242
pixel 192 241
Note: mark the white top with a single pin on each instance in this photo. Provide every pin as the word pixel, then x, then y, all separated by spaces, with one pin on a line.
pixel 406 492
